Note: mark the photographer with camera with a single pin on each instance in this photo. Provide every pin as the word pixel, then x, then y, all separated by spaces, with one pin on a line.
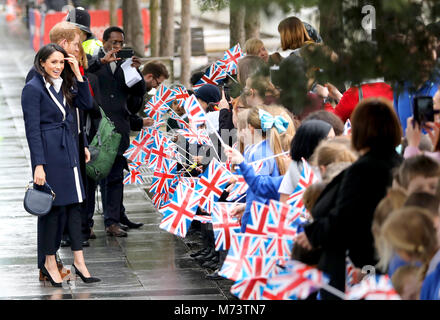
pixel 115 96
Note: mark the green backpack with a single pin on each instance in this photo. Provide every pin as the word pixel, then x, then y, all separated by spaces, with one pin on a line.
pixel 103 149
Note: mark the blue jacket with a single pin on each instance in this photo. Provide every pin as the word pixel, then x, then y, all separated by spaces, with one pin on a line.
pixel 262 187
pixel 431 286
pixel 403 101
pixel 52 135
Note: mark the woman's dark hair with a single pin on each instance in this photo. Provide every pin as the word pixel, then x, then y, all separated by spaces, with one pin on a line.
pixel 67 74
pixel 109 30
pixel 375 125
pixel 331 118
pixel 307 138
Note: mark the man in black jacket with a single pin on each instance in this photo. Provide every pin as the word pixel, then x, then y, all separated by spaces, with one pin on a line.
pixel 115 95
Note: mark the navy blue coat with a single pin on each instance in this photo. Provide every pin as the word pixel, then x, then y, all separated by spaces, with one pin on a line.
pixel 52 135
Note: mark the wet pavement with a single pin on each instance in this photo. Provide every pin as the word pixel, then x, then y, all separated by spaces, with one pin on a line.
pixel 149 264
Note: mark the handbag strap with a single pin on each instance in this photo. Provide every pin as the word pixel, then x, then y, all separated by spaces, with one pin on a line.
pixel 46 185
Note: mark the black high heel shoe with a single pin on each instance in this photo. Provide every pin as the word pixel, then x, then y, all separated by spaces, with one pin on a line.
pixel 47 275
pixel 84 279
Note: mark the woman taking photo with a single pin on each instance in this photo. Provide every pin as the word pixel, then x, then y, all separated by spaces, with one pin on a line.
pixel 48 101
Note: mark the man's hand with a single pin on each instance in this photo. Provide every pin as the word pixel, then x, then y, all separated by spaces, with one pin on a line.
pixel 147 122
pixel 136 62
pixel 110 57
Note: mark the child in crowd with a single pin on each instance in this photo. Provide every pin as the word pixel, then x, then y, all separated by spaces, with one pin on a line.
pixel 268 126
pixel 407 283
pixel 410 232
pixel 419 173
pixel 395 199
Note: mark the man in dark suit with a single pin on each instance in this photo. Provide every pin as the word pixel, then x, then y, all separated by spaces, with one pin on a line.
pixel 115 95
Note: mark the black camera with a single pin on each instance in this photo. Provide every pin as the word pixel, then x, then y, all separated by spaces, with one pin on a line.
pixel 125 53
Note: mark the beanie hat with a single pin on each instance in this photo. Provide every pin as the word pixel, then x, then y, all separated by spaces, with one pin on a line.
pixel 208 93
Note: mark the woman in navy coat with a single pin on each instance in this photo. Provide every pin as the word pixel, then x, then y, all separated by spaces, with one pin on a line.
pixel 49 100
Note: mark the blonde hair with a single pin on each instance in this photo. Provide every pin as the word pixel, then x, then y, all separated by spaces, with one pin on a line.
pixel 64 30
pixel 394 199
pixel 329 152
pixel 278 142
pixel 312 194
pixel 83 58
pixel 253 46
pixel 411 230
pixel 400 276
pixel 293 34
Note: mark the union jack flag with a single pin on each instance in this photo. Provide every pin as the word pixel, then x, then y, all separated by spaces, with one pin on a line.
pixel 139 149
pixel 307 178
pixel 160 102
pixel 180 122
pixel 134 165
pixel 282 221
pixel 180 94
pixel 278 247
pixel 230 59
pixel 189 182
pixel 347 128
pixel 240 187
pixel 257 223
pixel 235 266
pixel 214 75
pixel 159 199
pixel 378 287
pixel 224 225
pixel 296 281
pixel 133 177
pixel 194 110
pixel 351 274
pixel 160 150
pixel 211 184
pixel 195 136
pixel 163 179
pixel 249 289
pixel 203 218
pixel 180 211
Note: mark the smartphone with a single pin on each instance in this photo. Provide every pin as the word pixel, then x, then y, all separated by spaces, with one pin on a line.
pixel 125 53
pixel 423 110
pixel 227 91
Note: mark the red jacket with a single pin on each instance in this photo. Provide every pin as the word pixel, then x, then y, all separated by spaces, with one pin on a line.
pixel 350 98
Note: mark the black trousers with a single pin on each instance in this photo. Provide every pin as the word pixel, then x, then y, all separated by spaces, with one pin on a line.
pixel 51 227
pixel 112 192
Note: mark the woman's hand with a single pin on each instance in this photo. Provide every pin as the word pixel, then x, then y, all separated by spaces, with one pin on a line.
pixel 75 67
pixel 413 133
pixel 87 154
pixel 233 155
pixel 433 130
pixel 39 175
pixel 303 241
pixel 333 92
pixel 223 104
pixel 237 211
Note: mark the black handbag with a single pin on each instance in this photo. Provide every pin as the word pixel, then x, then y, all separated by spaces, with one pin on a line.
pixel 38 202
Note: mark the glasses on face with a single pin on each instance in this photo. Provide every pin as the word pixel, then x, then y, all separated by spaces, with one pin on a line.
pixel 158 83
